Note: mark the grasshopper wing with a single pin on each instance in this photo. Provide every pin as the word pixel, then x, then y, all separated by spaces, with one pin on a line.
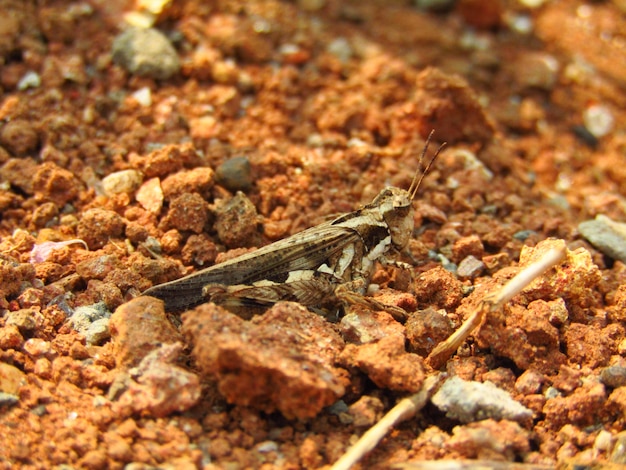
pixel 307 250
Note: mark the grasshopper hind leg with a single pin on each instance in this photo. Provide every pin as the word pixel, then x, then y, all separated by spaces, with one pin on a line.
pixel 246 300
pixel 351 294
pixel 178 296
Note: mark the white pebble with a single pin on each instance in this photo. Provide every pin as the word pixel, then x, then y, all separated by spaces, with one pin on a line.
pixel 341 49
pixel 603 441
pixel 520 23
pixel 598 120
pixel 29 80
pixel 143 96
pixel 125 181
pixel 150 195
pixel 532 3
pixel 37 347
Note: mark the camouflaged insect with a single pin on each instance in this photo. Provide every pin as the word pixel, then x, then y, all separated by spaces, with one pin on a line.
pixel 316 267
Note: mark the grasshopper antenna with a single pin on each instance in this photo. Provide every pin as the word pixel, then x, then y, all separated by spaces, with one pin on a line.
pixel 418 178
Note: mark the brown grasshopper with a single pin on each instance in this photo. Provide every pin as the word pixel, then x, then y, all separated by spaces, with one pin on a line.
pixel 333 260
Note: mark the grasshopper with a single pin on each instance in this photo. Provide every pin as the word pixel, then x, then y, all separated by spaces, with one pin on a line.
pixel 316 267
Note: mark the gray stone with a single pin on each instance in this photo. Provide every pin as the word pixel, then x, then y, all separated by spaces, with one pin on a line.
pixel 606 235
pixel 24 319
pixel 613 376
pixel 125 181
pixel 85 316
pixel 470 401
pixel 98 332
pixel 8 399
pixel 470 267
pixel 146 52
pixel 234 174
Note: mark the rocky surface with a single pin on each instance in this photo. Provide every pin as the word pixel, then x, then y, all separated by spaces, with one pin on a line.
pixel 141 141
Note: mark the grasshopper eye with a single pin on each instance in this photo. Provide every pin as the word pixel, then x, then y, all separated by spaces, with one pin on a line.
pixel 402 200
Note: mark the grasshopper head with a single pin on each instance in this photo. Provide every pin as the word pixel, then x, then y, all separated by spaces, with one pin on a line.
pixel 396 204
pixel 396 208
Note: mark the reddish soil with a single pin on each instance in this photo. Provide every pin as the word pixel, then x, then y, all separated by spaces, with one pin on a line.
pixel 120 167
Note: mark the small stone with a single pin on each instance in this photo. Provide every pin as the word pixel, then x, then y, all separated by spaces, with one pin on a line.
pixel 147 53
pixel 365 326
pixel 37 347
pixel 598 120
pixel 293 54
pixel 488 438
pixel 167 160
pixel 617 311
pixel 199 250
pixel 447 103
pixel 341 49
pixel 470 401
pixel 522 235
pixel 267 362
pixel 125 181
pixel 56 184
pixel 520 23
pixel 29 80
pixel 618 454
pixel 581 407
pixel 161 388
pixel 614 376
pixel 188 211
pixel 366 411
pixel 19 137
pixel 85 315
pixel 496 262
pixel 438 288
pixel 43 368
pixel 19 173
pixel 94 459
pixel 14 274
pixel 98 332
pixel 10 337
pixel 118 449
pixel 606 235
pixel 99 267
pixel 236 222
pixel 470 268
pixel 150 195
pixel 24 319
pixel 8 399
pixel 536 70
pixel 98 226
pixel 11 379
pixel 234 174
pixel 386 363
pixel 529 382
pixel 44 214
pixel 139 327
pixel 143 96
pixel 198 180
pixel 558 314
pixel 465 246
pixel 572 280
pixel 425 329
pixel 532 3
pixel 604 441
